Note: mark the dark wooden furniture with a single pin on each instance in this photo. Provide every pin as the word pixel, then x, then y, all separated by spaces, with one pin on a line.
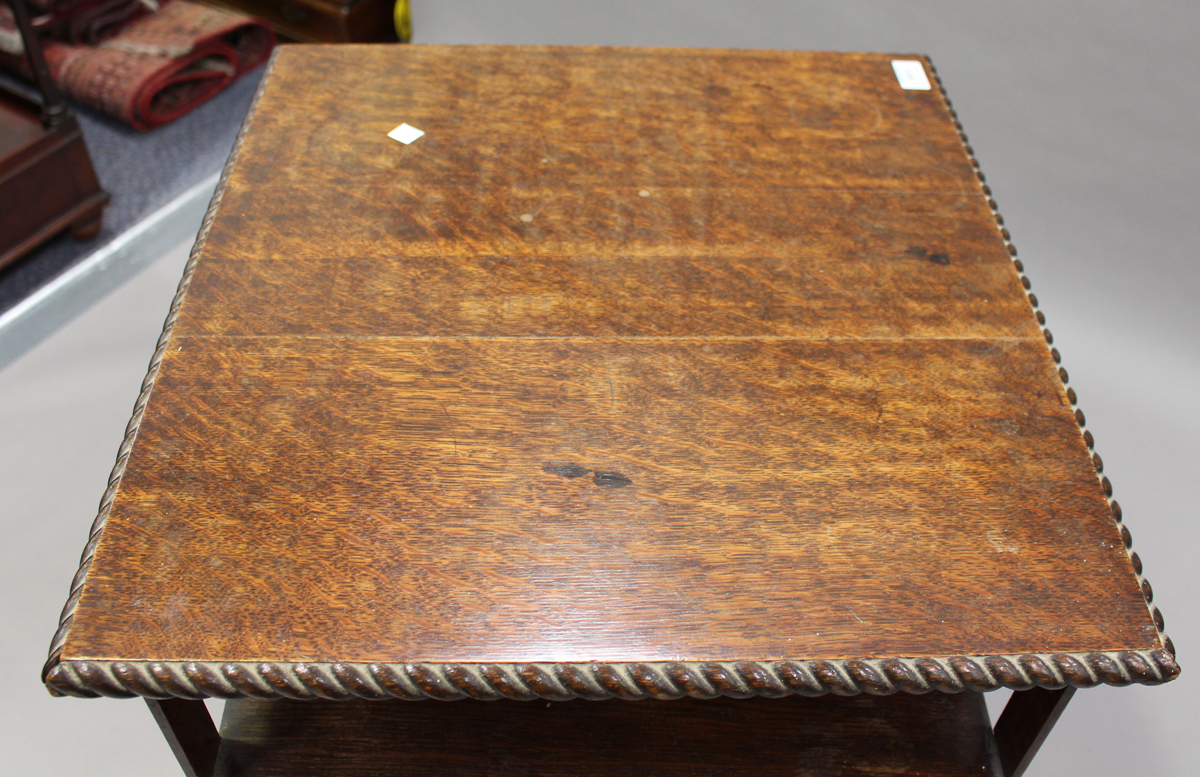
pixel 329 21
pixel 47 183
pixel 643 374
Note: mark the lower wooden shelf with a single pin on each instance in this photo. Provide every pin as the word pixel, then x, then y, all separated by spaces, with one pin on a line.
pixel 937 734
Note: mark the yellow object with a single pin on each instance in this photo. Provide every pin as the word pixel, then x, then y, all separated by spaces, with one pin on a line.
pixel 402 18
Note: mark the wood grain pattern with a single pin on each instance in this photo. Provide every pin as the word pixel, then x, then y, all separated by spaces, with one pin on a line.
pixel 1115 508
pixel 762 474
pixel 843 264
pixel 928 735
pixel 757 382
pixel 515 130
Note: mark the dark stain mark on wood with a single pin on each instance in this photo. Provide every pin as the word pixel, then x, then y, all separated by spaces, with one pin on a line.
pixel 565 470
pixel 611 480
pixel 606 479
pixel 921 253
pixel 716 92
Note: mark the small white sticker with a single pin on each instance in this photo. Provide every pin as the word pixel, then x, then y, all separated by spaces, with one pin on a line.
pixel 910 73
pixel 406 133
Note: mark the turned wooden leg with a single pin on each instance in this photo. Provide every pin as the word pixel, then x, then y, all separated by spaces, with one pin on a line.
pixel 190 732
pixel 1024 724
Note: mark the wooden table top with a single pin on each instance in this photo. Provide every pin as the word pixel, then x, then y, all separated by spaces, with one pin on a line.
pixel 644 372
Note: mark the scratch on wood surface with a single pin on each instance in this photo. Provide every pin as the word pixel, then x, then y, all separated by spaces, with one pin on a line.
pixel 453 428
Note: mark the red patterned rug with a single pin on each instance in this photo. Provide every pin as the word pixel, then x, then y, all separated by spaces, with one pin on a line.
pixel 157 67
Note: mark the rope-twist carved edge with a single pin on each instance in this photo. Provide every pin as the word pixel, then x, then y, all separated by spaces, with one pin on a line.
pixel 1114 507
pixel 559 682
pixel 664 680
pixel 139 407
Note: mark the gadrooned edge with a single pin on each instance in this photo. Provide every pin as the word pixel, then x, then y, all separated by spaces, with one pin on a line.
pixel 1105 485
pixel 665 680
pixel 562 681
pixel 139 407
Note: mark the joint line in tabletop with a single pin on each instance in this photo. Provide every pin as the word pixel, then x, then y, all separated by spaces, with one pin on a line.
pixel 707 338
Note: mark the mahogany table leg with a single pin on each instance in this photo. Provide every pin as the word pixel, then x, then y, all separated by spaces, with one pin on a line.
pixel 190 732
pixel 1024 724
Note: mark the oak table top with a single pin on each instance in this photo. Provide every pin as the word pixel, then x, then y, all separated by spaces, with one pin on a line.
pixel 644 372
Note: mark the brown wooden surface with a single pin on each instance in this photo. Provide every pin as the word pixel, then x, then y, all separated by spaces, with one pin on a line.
pixel 1025 724
pixel 322 21
pixel 843 264
pixel 18 128
pixel 932 735
pixel 190 733
pixel 755 379
pixel 375 499
pixel 47 182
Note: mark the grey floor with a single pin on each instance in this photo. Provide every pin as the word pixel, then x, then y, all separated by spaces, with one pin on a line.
pixel 143 171
pixel 1085 117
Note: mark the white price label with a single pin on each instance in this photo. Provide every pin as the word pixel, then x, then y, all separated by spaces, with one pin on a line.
pixel 405 133
pixel 911 74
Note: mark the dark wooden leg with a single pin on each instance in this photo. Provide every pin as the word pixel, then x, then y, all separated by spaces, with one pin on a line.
pixel 190 732
pixel 86 229
pixel 87 225
pixel 1024 724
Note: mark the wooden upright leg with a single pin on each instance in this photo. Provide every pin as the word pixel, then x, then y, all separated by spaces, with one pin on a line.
pixel 190 732
pixel 1024 724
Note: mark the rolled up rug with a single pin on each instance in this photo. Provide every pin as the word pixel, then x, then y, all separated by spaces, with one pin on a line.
pixel 158 67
